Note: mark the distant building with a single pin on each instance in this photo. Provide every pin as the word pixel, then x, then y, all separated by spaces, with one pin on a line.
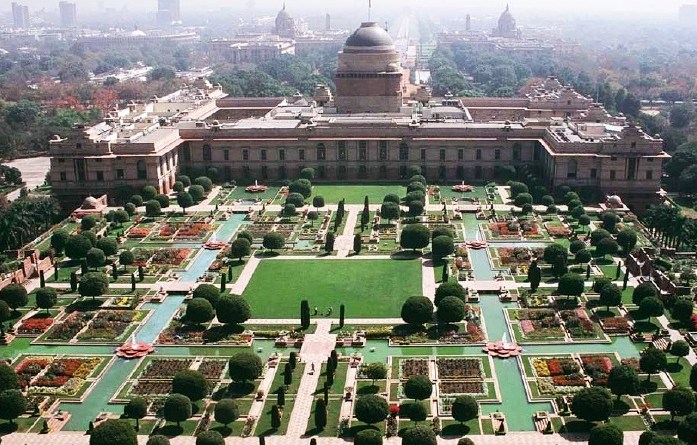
pixel 20 16
pixel 285 24
pixel 168 11
pixel 68 13
pixel 688 13
pixel 250 48
pixel 137 37
pixel 507 27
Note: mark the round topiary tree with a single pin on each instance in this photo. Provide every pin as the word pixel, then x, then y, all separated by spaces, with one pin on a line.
pixel 598 235
pixel 678 401
pixel 157 440
pixel 12 404
pixel 571 284
pixel 450 289
pixel 226 411
pixel 419 435
pixel 442 246
pixel 417 310
pixel 88 223
pixel 274 241
pixel 240 248
pixel 149 192
pixel 95 258
pixel 8 378
pixel 136 408
pixel 129 208
pixel 163 200
pixel 204 182
pixel 207 292
pixel 608 434
pixel 210 437
pixel 199 311
pixel 371 409
pixel 59 239
pixel 592 404
pixel 126 258
pixel 687 429
pixel 465 441
pixel 197 193
pixel 114 432
pixel 576 245
pixel 93 284
pixel 652 360
pixel 15 295
pixel 153 208
pixel 642 291
pixel 77 247
pixel 137 200
pixel 302 186
pixel 414 236
pixel 680 349
pixel 233 309
pixel 190 383
pixel 108 245
pixel 623 380
pixel 296 199
pixel 450 310
pixel 418 387
pixel 245 366
pixel 465 408
pixel 177 408
pixel 368 437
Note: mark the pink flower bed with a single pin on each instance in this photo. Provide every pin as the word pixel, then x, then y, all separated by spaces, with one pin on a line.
pixel 527 326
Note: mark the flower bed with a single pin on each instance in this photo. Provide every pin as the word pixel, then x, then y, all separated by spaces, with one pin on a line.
pixel 191 231
pixel 212 369
pixel 171 257
pixel 64 376
pixel 138 232
pixel 578 324
pixel 539 324
pixel 30 368
pixel 412 366
pixel 109 325
pixel 615 325
pixel 165 368
pixel 459 368
pixel 178 333
pixel 505 229
pixel 513 256
pixel 148 387
pixel 597 367
pixel 70 326
pixel 556 375
pixel 557 230
pixel 462 387
pixel 35 325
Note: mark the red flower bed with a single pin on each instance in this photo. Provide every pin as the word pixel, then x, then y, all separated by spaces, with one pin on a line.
pixel 503 229
pixel 575 379
pixel 616 324
pixel 35 325
pixel 138 232
pixel 597 367
pixel 562 366
pixel 558 231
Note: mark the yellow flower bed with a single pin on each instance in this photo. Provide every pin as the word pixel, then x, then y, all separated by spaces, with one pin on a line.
pixel 86 368
pixel 541 368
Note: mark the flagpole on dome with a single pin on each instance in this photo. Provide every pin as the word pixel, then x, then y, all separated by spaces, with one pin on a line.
pixel 370 7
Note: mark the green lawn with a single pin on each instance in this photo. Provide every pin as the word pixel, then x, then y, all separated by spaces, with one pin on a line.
pixel 355 194
pixel 368 288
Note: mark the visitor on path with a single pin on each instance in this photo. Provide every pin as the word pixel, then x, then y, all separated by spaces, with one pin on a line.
pixel 316 311
pixel 312 368
pixel 329 311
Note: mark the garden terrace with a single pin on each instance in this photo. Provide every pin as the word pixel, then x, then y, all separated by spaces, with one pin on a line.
pixel 58 376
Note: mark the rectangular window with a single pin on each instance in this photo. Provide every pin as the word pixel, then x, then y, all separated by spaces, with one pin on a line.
pixel 282 155
pixel 403 152
pixel 649 174
pixel 207 155
pixel 631 169
pixel 226 155
pixel 460 154
pixel 478 155
pixel 64 177
pixel 263 154
pixel 362 153
pixel 383 144
pixel 478 172
pixel 301 154
pixel 363 145
pixel 245 155
pixel 120 173
pixel 341 145
pixel 497 154
pixel 186 153
pixel 321 153
pixel 383 152
pixel 613 174
pixel 80 170
pixel 423 154
pixel 100 176
pixel 342 153
pixel 594 173
pixel 442 154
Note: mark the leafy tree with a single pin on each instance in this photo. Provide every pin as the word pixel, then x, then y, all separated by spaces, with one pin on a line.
pixel 571 284
pixel 576 245
pixel 390 211
pixel 184 200
pixel 233 309
pixel 608 434
pixel 651 307
pixel 210 437
pixel 610 296
pixel 418 387
pixel 88 223
pixel 371 409
pixel 419 435
pixel 681 115
pixel 623 380
pixel 647 438
pixel 682 310
pixel 627 239
pixel 583 256
pixel 680 349
pixel 592 404
pixel 302 186
pixel 157 440
pixel 534 275
pixel 415 236
pixel 598 235
pixel 190 383
pixel 93 284
pixel 197 193
pixel 417 310
pixel 207 292
pixel 375 371
pixel 678 401
pixel 137 200
pixel 296 199
pixel 5 314
pixel 442 246
pixel 126 258
pixel 153 208
pixel 199 311
pixel 246 235
pixel 687 430
pixel 318 202
pixel 652 360
pixel 450 310
pixel 606 246
pixel 46 298
pixel 245 366
pixel 450 289
pixel 95 258
pixel 15 295
pixel 320 414
pixel 163 200
pixel 417 412
pixel 642 291
pixel 240 248
pixel 693 378
pixel 8 378
pixel 584 220
pixel 465 408
pixel 114 432
pixel 177 408
pixel 274 241
pixel 368 437
pixel 600 283
pixel 136 408
pixel 108 245
pixel 12 404
pixel 59 240
pixel 77 247
pixel 556 255
pixel 204 182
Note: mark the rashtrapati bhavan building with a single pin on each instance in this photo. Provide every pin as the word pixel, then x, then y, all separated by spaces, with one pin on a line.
pixel 366 130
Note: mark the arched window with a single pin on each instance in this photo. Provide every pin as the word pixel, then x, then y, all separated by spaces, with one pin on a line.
pixel 572 168
pixel 142 170
pixel 206 152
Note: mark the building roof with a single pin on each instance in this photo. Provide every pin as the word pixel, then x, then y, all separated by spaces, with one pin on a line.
pixel 369 35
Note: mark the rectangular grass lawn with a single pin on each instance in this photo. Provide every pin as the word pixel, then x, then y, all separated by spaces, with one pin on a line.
pixel 368 288
pixel 355 194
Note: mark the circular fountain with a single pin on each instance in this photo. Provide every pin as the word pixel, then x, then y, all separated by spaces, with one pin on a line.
pixel 256 188
pixel 503 348
pixel 134 349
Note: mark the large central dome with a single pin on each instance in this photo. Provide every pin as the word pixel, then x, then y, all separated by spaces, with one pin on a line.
pixel 370 36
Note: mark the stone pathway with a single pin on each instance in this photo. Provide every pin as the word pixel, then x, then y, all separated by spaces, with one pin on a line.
pixel 265 385
pixel 344 242
pixel 428 279
pixel 246 275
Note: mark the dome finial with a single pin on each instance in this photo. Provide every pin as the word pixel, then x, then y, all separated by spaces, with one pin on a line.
pixel 284 6
pixel 507 7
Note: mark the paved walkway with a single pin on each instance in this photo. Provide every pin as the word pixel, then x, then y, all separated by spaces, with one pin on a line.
pixel 344 242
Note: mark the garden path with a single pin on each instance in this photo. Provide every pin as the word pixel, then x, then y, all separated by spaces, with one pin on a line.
pixel 344 242
pixel 428 279
pixel 675 335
